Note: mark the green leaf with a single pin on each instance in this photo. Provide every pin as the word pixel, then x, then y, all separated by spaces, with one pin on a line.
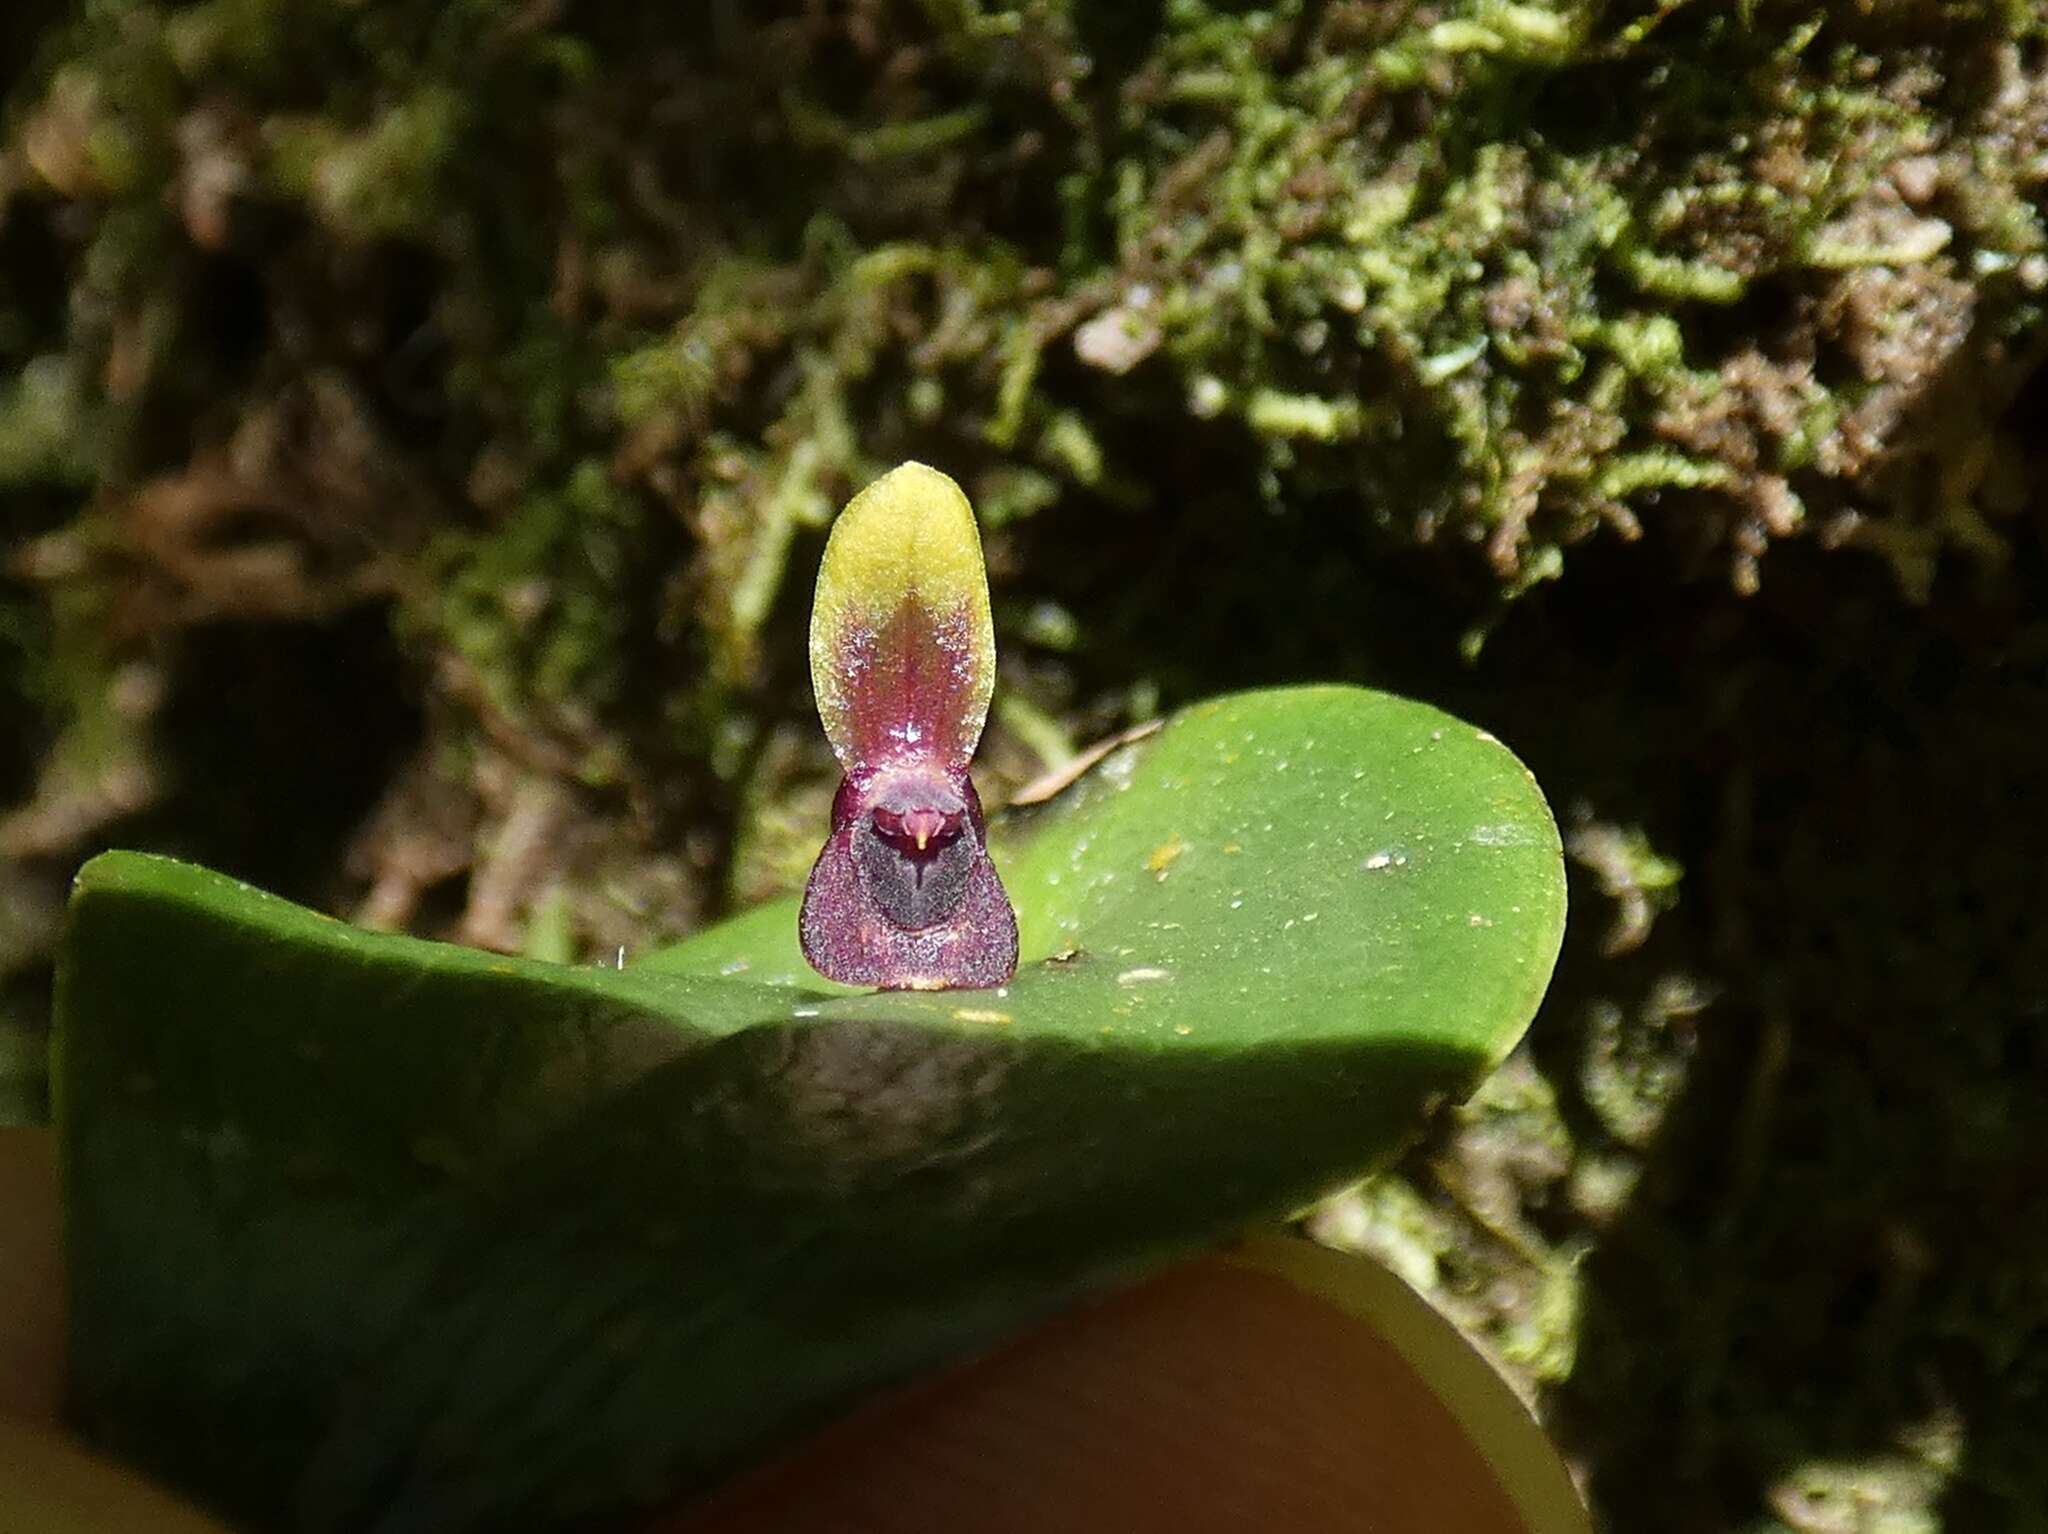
pixel 368 1233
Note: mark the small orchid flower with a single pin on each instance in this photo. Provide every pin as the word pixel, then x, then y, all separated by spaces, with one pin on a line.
pixel 903 660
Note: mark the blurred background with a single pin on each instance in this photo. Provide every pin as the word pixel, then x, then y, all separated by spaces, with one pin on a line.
pixel 419 419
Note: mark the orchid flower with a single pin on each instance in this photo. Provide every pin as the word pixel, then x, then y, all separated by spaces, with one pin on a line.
pixel 904 896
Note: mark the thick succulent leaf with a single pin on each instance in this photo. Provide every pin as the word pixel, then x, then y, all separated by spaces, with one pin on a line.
pixel 373 1234
pixel 903 651
pixel 1319 863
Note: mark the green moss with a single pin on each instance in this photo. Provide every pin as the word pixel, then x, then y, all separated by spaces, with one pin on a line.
pixel 45 430
pixel 532 606
pixel 383 181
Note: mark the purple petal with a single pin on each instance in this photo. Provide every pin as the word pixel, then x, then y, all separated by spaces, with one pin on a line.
pixel 881 910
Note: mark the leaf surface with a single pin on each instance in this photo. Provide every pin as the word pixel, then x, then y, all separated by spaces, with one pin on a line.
pixel 369 1233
